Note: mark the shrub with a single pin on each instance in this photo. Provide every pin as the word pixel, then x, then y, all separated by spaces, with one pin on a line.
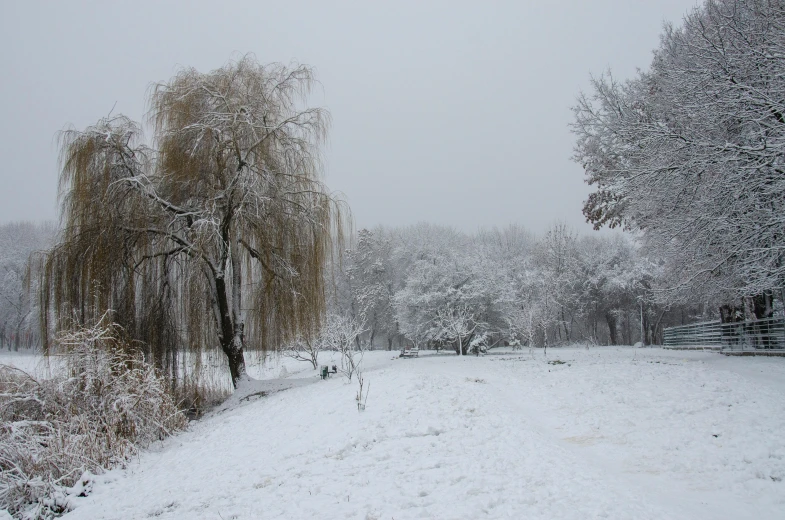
pixel 100 407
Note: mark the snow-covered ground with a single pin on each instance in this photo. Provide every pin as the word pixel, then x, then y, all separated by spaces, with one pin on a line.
pixel 603 433
pixel 29 360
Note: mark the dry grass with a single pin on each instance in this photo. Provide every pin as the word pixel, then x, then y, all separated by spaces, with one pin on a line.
pixel 94 414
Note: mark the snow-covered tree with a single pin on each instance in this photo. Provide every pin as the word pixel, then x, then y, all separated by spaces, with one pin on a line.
pixel 456 324
pixel 18 304
pixel 691 153
pixel 504 286
pixel 305 348
pixel 556 262
pixel 604 293
pixel 226 219
pixel 439 279
pixel 340 334
pixel 455 283
pixel 371 276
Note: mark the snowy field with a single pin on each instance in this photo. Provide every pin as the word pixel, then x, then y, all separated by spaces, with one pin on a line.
pixel 615 433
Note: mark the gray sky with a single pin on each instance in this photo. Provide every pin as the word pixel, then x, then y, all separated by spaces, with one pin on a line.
pixel 454 113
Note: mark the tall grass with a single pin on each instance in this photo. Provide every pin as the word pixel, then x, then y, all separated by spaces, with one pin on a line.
pixel 98 409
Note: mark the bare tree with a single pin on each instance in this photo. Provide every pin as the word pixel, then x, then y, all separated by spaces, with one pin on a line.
pixel 305 348
pixel 224 219
pixel 340 334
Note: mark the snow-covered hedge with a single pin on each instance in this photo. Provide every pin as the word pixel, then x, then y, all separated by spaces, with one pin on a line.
pixel 103 405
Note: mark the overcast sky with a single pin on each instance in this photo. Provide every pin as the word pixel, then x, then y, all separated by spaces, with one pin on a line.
pixel 454 113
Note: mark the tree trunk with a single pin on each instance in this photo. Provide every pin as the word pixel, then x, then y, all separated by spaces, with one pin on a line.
pixel 656 335
pixel 731 313
pixel 237 357
pixel 564 324
pixel 234 354
pixel 627 329
pixel 763 305
pixel 751 308
pixel 611 320
pixel 231 335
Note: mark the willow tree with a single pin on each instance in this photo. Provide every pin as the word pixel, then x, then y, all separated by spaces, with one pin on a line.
pixel 215 234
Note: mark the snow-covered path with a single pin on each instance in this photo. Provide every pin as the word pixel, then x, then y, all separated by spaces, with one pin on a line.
pixel 610 433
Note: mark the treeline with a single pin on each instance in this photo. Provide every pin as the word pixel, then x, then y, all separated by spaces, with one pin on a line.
pixel 439 288
pixel 435 287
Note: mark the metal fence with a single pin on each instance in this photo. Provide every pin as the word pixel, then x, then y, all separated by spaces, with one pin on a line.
pixel 766 334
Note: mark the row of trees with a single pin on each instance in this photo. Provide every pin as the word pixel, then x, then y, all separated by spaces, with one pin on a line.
pixel 439 288
pixel 691 154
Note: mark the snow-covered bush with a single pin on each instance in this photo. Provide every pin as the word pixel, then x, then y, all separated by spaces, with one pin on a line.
pixel 103 405
pixel 341 334
pixel 307 349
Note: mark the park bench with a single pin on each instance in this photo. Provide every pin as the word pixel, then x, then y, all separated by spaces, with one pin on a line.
pixel 324 371
pixel 410 352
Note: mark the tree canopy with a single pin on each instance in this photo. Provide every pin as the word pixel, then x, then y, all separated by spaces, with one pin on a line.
pixel 690 152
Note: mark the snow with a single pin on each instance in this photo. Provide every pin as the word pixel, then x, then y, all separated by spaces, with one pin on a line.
pixel 613 433
pixel 29 360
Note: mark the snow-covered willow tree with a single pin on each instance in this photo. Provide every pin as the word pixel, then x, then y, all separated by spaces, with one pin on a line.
pixel 692 152
pixel 223 222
